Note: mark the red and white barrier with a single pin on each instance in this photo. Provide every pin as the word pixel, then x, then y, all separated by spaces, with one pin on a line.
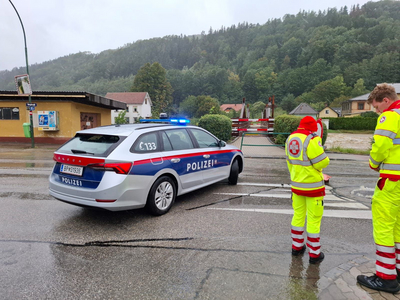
pixel 253 129
pixel 251 120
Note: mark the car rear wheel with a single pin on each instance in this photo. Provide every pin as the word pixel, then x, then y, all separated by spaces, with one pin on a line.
pixel 161 196
pixel 234 174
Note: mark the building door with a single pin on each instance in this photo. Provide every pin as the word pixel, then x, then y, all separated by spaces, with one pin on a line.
pixel 88 120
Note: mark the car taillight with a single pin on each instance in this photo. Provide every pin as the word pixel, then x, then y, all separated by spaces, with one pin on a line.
pixel 119 168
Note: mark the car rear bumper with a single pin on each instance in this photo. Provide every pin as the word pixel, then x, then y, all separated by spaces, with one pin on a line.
pixel 129 193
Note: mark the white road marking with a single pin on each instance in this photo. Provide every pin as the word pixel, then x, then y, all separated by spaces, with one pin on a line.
pixel 265 184
pixel 330 200
pixel 348 205
pixel 349 214
pixel 283 196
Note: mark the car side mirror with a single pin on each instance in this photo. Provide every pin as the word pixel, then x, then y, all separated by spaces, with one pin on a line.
pixel 221 143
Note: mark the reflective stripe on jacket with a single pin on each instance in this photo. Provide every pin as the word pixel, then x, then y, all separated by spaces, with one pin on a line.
pixel 305 159
pixel 385 152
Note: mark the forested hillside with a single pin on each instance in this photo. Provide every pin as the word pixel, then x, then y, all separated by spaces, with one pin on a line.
pixel 316 57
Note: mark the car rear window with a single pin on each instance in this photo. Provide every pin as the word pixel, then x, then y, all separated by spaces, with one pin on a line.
pixel 91 144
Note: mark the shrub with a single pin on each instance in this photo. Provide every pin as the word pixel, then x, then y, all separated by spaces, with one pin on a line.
pixel 218 125
pixel 288 124
pixel 120 119
pixel 369 114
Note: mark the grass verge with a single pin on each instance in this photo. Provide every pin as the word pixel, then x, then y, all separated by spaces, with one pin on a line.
pixel 351 131
pixel 348 151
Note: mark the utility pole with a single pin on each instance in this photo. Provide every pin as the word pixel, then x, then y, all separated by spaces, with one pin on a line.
pixel 27 72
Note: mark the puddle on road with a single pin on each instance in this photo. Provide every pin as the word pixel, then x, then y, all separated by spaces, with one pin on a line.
pixel 303 282
pixel 363 191
pixel 248 201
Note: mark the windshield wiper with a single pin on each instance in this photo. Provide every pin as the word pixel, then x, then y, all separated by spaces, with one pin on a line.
pixel 80 151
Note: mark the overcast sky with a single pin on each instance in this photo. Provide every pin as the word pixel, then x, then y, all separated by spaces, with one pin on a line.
pixel 56 28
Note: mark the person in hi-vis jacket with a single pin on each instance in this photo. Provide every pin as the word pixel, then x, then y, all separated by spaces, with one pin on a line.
pixel 385 159
pixel 305 159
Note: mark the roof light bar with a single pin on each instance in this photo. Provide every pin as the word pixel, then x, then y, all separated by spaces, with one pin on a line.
pixel 171 121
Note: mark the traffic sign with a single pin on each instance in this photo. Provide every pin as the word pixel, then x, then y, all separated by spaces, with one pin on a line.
pixel 31 104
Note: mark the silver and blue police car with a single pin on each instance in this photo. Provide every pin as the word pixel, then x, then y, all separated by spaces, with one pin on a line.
pixel 122 167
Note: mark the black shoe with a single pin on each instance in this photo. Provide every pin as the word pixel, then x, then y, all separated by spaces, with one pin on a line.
pixel 316 260
pixel 298 252
pixel 376 283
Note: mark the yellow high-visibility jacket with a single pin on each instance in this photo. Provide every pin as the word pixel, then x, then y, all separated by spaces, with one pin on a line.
pixel 305 159
pixel 385 152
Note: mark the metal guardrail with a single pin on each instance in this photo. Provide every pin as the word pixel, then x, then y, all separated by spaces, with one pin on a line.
pixel 262 133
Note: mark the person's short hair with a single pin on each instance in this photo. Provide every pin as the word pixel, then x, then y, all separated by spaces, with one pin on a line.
pixel 381 91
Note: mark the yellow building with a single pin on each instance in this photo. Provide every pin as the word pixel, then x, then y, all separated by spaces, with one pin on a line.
pixel 328 112
pixel 56 115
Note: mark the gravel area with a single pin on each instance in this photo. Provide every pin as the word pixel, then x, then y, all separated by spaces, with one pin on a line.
pixel 349 140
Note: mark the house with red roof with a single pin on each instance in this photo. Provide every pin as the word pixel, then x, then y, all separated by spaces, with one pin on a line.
pixel 229 107
pixel 138 105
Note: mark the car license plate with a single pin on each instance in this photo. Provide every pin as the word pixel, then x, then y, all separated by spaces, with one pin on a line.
pixel 73 170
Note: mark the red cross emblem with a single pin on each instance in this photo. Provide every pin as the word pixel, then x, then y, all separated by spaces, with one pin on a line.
pixel 294 147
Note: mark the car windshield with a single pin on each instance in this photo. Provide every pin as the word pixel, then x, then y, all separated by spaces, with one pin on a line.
pixel 91 144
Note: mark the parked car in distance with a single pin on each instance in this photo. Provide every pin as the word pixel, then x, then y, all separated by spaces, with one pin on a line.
pixel 122 167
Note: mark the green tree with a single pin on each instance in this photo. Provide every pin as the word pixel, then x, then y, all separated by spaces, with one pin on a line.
pixel 189 106
pixel 359 88
pixel 328 90
pixel 288 103
pixel 120 119
pixel 257 109
pixel 206 103
pixel 152 79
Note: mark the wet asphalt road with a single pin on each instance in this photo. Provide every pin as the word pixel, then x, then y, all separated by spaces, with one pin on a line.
pixel 216 243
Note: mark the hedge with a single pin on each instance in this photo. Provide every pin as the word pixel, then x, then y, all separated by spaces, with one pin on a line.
pixel 218 125
pixel 354 123
pixel 288 124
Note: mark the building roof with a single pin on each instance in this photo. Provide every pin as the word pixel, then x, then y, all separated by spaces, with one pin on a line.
pixel 303 109
pixel 129 97
pixel 79 97
pixel 337 109
pixel 235 107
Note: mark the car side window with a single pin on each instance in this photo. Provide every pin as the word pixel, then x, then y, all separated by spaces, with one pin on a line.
pixel 146 143
pixel 179 139
pixel 166 142
pixel 204 139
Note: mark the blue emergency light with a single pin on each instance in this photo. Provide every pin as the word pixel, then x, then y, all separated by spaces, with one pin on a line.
pixel 170 121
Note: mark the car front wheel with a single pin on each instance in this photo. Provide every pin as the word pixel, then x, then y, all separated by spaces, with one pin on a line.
pixel 234 174
pixel 161 196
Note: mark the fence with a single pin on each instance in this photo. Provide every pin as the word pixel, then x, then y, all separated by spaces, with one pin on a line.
pixel 267 142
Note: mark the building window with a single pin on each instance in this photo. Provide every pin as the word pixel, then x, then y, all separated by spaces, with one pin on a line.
pixel 135 109
pixel 9 113
pixel 127 120
pixel 327 111
pixel 127 109
pixel 361 106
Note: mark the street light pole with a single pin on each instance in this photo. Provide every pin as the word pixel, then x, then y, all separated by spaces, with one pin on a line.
pixel 27 71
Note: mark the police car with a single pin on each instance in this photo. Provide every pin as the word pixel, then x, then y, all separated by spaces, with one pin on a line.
pixel 122 167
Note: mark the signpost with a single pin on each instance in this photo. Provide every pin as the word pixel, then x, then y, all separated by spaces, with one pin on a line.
pixel 30 106
pixel 25 83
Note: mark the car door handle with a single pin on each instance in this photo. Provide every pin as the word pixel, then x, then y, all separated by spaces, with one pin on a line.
pixel 206 156
pixel 175 160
